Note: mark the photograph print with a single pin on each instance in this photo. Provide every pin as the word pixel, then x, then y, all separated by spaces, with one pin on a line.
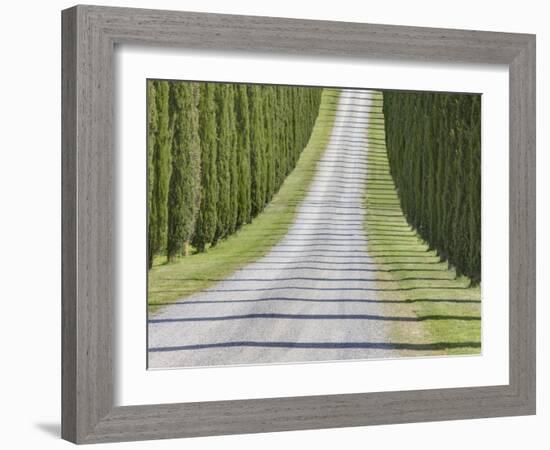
pixel 294 224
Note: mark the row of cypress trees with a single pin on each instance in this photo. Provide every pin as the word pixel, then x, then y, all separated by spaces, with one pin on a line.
pixel 433 142
pixel 216 155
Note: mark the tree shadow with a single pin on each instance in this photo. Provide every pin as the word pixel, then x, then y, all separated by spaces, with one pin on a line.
pixel 280 316
pixel 318 300
pixel 323 345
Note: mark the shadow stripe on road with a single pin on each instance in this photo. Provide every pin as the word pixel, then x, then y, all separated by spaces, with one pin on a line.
pixel 304 288
pixel 322 345
pixel 317 300
pixel 313 317
pixel 323 279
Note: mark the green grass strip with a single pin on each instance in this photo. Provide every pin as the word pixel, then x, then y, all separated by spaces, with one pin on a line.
pixel 421 285
pixel 187 275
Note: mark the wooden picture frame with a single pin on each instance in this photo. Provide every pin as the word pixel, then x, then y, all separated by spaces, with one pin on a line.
pixel 90 34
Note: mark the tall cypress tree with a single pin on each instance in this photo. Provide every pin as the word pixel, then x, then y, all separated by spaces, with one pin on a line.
pixel 205 226
pixel 269 166
pixel 152 124
pixel 257 150
pixel 243 154
pixel 278 138
pixel 184 194
pixel 160 170
pixel 233 160
pixel 290 130
pixel 223 161
pixel 474 251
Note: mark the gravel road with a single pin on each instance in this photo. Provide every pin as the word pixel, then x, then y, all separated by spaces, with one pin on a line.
pixel 311 298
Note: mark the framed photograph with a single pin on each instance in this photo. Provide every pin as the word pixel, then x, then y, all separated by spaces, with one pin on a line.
pixel 278 224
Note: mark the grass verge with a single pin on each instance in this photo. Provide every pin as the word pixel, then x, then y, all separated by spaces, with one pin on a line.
pixel 449 311
pixel 194 273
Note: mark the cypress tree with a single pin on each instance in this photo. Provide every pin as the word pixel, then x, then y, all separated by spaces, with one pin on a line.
pixel 152 124
pixel 291 129
pixel 257 150
pixel 442 198
pixel 287 130
pixel 184 193
pixel 474 181
pixel 233 160
pixel 269 165
pixel 278 152
pixel 448 201
pixel 429 189
pixel 223 161
pixel 160 170
pixel 458 237
pixel 205 225
pixel 243 154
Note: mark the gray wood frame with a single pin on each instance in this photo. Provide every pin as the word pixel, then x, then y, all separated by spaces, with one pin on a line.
pixel 89 36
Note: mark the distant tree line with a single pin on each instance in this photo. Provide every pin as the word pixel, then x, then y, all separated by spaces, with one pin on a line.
pixel 216 155
pixel 434 149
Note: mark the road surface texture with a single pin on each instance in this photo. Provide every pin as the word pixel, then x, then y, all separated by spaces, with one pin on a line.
pixel 312 298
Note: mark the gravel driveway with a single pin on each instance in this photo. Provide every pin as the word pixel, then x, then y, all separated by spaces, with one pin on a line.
pixel 311 298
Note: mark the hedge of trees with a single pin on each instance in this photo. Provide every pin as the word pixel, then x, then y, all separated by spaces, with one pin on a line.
pixel 216 155
pixel 433 142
